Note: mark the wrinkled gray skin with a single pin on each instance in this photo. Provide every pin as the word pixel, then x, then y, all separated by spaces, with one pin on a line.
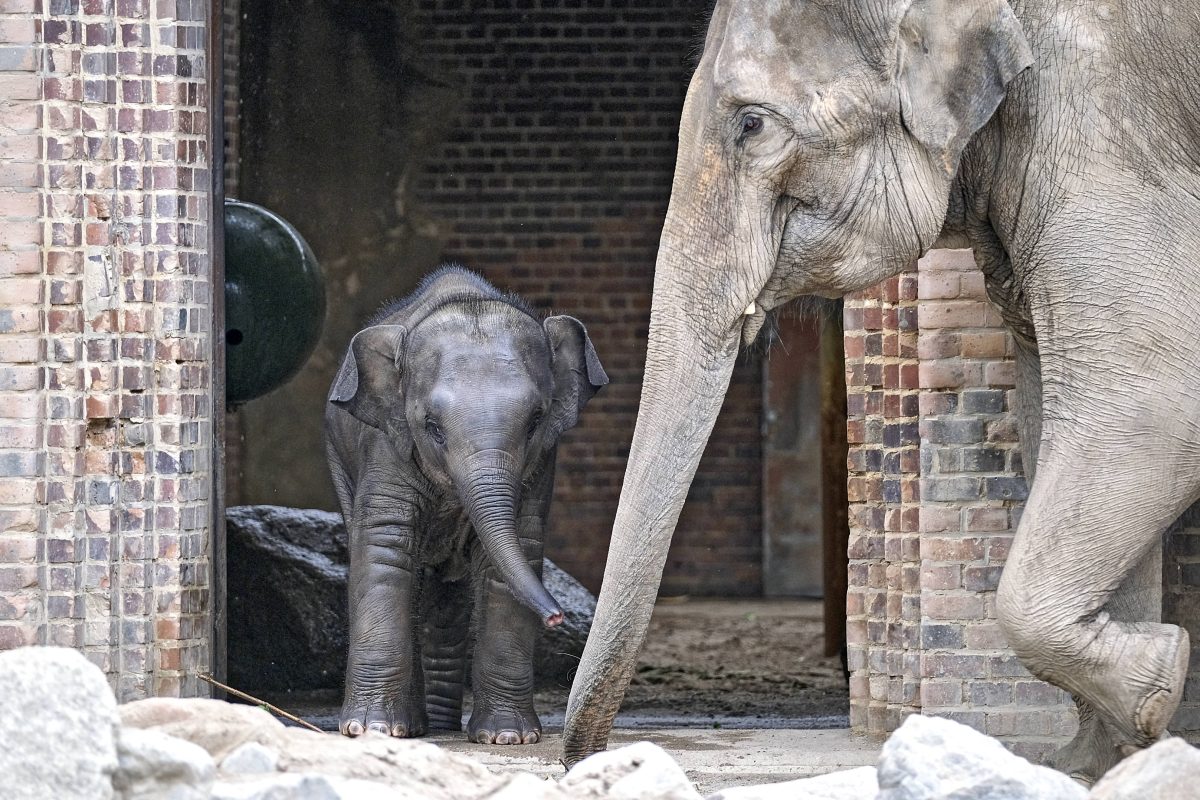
pixel 823 147
pixel 441 430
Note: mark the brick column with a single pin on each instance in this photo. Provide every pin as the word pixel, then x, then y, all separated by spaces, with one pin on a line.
pixel 1181 605
pixel 972 488
pixel 929 372
pixel 883 603
pixel 22 296
pixel 105 343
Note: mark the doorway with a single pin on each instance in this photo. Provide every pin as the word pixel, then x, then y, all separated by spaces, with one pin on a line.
pixel 805 529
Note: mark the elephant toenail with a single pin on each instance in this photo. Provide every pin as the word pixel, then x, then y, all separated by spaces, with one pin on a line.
pixel 531 738
pixel 508 737
pixel 484 737
pixel 378 727
pixel 399 730
pixel 355 728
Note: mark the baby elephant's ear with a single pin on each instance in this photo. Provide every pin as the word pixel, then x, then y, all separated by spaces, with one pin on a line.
pixel 368 384
pixel 578 374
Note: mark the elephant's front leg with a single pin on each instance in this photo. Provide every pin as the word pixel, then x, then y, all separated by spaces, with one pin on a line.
pixel 1081 538
pixel 502 665
pixel 384 691
pixel 1093 751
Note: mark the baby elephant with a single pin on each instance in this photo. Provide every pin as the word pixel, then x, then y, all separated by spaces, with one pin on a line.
pixel 441 430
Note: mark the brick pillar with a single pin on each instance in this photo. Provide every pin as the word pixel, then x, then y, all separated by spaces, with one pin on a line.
pixel 883 602
pixel 1181 605
pixel 22 298
pixel 929 372
pixel 972 488
pixel 105 417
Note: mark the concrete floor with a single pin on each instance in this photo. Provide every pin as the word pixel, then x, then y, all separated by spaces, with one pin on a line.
pixel 713 759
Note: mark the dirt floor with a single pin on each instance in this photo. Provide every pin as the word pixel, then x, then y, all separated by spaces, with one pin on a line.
pixel 707 663
pixel 759 661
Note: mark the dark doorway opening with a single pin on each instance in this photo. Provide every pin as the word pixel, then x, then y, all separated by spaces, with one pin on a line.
pixel 537 146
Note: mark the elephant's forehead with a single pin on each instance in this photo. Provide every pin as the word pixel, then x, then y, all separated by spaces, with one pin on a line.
pixel 790 47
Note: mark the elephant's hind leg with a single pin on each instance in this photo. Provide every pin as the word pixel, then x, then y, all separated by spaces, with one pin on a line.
pixel 447 628
pixel 1081 538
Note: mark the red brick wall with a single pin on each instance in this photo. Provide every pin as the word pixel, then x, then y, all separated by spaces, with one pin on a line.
pixel 105 353
pixel 553 181
pixel 936 489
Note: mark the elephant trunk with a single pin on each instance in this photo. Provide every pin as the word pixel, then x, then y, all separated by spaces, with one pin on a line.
pixel 489 483
pixel 687 375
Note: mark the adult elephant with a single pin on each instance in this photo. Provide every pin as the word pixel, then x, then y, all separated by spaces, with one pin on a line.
pixel 824 145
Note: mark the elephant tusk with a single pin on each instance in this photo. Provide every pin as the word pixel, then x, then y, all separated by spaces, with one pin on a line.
pixel 750 310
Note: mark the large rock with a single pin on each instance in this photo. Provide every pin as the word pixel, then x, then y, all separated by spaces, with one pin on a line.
pixel 58 725
pixel 929 758
pixel 153 765
pixel 411 769
pixel 1170 770
pixel 287 571
pixel 641 771
pixel 849 784
pixel 287 598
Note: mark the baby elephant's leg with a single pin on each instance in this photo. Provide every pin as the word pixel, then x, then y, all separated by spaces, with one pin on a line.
pixel 502 664
pixel 383 673
pixel 447 625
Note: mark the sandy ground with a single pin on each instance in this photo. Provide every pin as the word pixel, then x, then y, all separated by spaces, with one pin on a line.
pixel 706 664
pixel 758 660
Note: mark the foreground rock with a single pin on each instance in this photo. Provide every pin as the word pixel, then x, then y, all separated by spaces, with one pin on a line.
pixel 929 758
pixel 152 766
pixel 641 771
pixel 63 736
pixel 287 571
pixel 58 726
pixel 850 784
pixel 1170 770
pixel 407 768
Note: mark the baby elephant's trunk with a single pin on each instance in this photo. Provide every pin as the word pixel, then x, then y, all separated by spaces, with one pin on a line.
pixel 489 484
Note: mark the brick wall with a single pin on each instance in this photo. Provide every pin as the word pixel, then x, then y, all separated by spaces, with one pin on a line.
pixel 936 488
pixel 105 418
pixel 553 181
pixel 972 488
pixel 1181 605
pixel 883 601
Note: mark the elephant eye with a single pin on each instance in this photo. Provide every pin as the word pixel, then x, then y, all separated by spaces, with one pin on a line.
pixel 435 432
pixel 751 124
pixel 533 424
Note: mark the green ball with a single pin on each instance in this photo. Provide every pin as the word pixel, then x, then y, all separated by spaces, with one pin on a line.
pixel 274 301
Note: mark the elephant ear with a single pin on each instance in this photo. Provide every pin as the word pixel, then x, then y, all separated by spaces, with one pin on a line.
pixel 368 383
pixel 578 374
pixel 956 58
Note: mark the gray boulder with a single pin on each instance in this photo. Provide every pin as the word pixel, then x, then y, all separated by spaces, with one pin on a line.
pixel 156 766
pixel 849 784
pixel 929 758
pixel 287 571
pixel 313 764
pixel 58 726
pixel 1170 770
pixel 250 759
pixel 287 598
pixel 642 771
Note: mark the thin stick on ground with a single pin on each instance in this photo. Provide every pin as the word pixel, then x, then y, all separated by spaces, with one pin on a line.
pixel 263 703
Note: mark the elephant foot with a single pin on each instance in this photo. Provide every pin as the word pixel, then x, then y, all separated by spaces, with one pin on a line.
pixel 1091 753
pixel 397 718
pixel 504 725
pixel 1139 692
